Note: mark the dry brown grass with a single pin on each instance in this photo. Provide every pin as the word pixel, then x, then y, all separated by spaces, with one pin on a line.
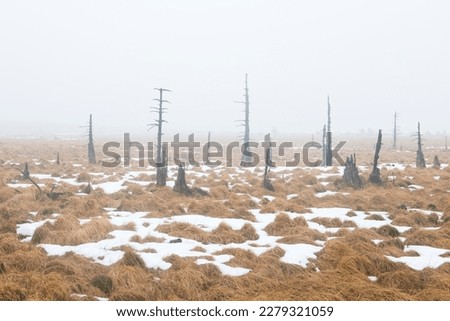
pixel 284 225
pixel 374 217
pixel 28 273
pixel 206 207
pixel 67 230
pixel 355 253
pixel 83 177
pixel 293 230
pixel 408 281
pixel 414 219
pixel 223 234
pixel 387 231
pixel 147 239
pixel 281 204
pixel 333 222
pixel 437 238
pixel 131 258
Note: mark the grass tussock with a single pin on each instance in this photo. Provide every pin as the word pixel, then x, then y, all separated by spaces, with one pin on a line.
pixel 293 230
pixel 414 219
pixel 241 258
pixel 284 225
pixel 83 177
pixel 374 217
pixel 207 207
pixel 103 282
pixel 11 291
pixel 355 253
pixel 9 243
pixel 408 281
pixel 387 231
pixel 436 238
pixel 134 283
pixel 333 222
pixel 131 258
pixel 147 239
pixel 185 280
pixel 67 230
pixel 283 205
pixel 223 234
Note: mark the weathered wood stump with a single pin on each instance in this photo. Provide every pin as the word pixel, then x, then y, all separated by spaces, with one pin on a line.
pixel 87 189
pixel 180 184
pixel 436 162
pixel 268 160
pixel 420 159
pixel 25 172
pixel 351 176
pixel 375 176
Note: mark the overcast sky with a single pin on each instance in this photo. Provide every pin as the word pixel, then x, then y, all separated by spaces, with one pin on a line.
pixel 62 60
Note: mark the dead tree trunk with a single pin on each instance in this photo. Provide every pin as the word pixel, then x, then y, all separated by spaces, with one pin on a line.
pixel 58 162
pixel 208 157
pixel 161 168
pixel 180 184
pixel 329 153
pixel 375 176
pixel 394 144
pixel 268 164
pixel 351 176
pixel 246 160
pixel 27 176
pixel 324 145
pixel 436 162
pixel 420 159
pixel 161 155
pixel 91 150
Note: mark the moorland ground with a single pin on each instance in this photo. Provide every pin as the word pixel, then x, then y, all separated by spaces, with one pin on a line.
pixel 313 238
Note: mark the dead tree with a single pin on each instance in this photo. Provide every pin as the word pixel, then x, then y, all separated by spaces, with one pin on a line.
pixel 329 153
pixel 180 184
pixel 26 175
pixel 52 194
pixel 208 146
pixel 91 150
pixel 375 176
pixel 268 164
pixel 324 145
pixel 57 159
pixel 396 130
pixel 161 160
pixel 246 160
pixel 436 162
pixel 351 176
pixel 420 159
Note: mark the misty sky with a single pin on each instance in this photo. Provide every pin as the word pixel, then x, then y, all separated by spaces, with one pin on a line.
pixel 62 60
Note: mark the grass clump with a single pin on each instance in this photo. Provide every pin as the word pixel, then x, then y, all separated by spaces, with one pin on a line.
pixel 103 282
